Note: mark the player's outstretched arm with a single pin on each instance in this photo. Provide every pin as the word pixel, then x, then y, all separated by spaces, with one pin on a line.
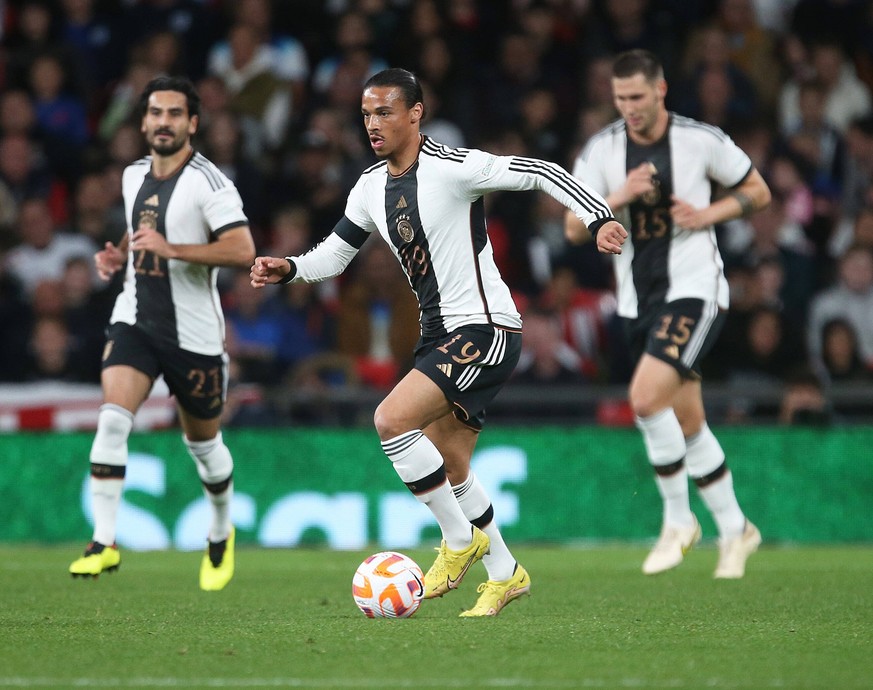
pixel 269 270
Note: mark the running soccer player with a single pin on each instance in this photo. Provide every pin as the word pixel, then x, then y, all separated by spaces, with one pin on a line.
pixel 185 218
pixel 425 200
pixel 657 169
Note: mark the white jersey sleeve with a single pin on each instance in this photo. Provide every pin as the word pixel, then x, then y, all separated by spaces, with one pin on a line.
pixel 488 173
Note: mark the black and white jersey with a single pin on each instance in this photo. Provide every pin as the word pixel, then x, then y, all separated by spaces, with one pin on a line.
pixel 661 262
pixel 433 218
pixel 174 301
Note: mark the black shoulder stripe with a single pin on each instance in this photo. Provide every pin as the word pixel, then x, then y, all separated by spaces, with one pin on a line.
pixel 562 179
pixel 610 131
pixel 687 122
pixel 374 167
pixel 209 171
pixel 431 148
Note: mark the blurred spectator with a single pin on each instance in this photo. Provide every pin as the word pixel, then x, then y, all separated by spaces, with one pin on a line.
pixel 517 71
pixel 847 97
pixel 847 233
pixel 811 19
pixel 751 47
pixel 14 309
pixel 377 320
pixel 123 100
pixel 23 170
pixel 619 25
pixel 126 144
pixel 188 20
pixel 858 171
pixel 337 79
pixel 52 354
pixel 840 358
pixel 32 36
pixel 770 234
pixel 851 298
pixel 716 90
pixel 804 402
pixel 313 176
pixel 438 68
pixel 222 144
pixel 546 359
pixel 254 331
pixel 43 251
pixel 95 40
pixel 60 116
pixel 86 311
pixel 17 115
pixel 423 22
pixel 582 315
pixel 308 334
pixel 290 232
pixel 540 126
pixel 282 54
pixel 770 350
pixel 93 214
pixel 437 127
pixel 260 98
pixel 817 142
pixel 786 180
pixel 597 90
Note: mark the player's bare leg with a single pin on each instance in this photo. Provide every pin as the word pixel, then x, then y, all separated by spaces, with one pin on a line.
pixel 414 404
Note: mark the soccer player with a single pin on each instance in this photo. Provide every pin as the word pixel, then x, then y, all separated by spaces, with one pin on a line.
pixel 184 219
pixel 426 201
pixel 657 170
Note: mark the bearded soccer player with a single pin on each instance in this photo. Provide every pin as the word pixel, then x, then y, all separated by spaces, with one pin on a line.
pixel 184 219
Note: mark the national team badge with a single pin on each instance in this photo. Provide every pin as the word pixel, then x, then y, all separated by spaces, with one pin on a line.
pixel 404 229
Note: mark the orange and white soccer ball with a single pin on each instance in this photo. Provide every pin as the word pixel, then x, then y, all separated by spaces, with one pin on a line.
pixel 388 585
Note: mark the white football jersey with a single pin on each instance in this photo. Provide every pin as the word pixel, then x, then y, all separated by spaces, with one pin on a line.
pixel 433 218
pixel 177 302
pixel 661 262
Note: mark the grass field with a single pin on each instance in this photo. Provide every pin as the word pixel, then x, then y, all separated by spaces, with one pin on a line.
pixel 802 618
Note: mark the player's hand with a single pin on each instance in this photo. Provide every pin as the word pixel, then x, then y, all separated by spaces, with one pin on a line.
pixel 686 216
pixel 610 237
pixel 152 241
pixel 268 270
pixel 109 261
pixel 640 180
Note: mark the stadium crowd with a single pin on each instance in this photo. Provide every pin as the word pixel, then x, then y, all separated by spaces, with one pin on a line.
pixel 789 80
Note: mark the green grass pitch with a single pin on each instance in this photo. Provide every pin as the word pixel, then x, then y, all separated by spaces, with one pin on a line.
pixel 801 618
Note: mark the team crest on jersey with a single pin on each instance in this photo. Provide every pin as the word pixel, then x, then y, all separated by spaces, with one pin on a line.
pixel 148 220
pixel 404 229
pixel 653 196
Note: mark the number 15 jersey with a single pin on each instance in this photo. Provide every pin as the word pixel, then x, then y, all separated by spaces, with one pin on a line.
pixel 662 262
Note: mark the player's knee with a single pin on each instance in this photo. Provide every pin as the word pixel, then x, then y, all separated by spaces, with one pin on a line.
pixel 110 442
pixel 213 459
pixel 388 424
pixel 644 403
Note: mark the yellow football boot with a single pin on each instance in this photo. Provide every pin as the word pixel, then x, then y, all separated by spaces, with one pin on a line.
pixel 450 566
pixel 216 568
